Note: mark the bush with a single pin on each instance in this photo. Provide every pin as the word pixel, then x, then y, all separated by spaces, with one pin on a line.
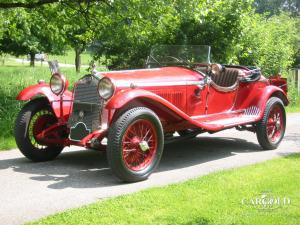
pixel 267 43
pixel 293 93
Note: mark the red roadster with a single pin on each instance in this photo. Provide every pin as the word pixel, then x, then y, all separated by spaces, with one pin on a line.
pixel 180 95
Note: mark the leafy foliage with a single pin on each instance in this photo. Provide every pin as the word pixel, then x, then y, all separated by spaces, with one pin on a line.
pixel 215 23
pixel 122 32
pixel 30 32
pixel 277 6
pixel 267 43
pixel 129 28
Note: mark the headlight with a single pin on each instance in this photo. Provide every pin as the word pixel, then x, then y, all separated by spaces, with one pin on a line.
pixel 58 84
pixel 106 88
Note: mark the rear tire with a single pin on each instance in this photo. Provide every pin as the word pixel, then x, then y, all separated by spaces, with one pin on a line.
pixel 35 111
pixel 270 130
pixel 135 144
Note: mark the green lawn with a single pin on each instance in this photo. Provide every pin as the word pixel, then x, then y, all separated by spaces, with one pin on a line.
pixel 213 199
pixel 13 79
pixel 69 58
pixel 293 108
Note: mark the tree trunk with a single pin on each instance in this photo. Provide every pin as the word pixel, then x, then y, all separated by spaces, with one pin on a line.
pixel 77 60
pixel 32 58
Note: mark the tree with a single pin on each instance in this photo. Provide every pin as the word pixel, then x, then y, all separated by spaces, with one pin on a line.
pixel 267 43
pixel 274 7
pixel 35 4
pixel 76 23
pixel 30 32
pixel 215 23
pixel 71 26
pixel 129 29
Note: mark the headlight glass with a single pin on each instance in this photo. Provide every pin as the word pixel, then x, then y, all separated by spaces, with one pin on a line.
pixel 106 88
pixel 57 84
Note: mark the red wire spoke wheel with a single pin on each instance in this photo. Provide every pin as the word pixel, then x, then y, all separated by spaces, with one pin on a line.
pixel 139 145
pixel 275 124
pixel 135 144
pixel 270 130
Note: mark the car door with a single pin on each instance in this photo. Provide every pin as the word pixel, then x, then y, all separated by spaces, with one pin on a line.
pixel 220 100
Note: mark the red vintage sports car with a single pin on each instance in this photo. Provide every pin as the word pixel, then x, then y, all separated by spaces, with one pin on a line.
pixel 137 111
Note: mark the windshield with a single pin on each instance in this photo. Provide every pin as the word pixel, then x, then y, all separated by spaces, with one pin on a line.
pixel 178 55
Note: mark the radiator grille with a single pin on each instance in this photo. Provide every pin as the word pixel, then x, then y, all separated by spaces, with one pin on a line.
pixel 87 107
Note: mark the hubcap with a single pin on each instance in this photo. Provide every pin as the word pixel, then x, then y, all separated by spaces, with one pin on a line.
pixel 275 125
pixel 139 145
pixel 144 146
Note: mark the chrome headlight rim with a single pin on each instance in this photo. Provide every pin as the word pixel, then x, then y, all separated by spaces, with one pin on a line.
pixel 106 88
pixel 58 84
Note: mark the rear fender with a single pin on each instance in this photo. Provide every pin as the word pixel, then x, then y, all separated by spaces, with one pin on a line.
pixel 280 82
pixel 268 92
pixel 43 89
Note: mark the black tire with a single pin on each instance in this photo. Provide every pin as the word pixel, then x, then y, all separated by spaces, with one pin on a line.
pixel 261 127
pixel 22 132
pixel 115 149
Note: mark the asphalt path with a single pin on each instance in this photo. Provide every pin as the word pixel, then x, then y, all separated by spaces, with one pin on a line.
pixel 29 191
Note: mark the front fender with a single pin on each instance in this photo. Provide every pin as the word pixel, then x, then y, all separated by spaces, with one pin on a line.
pixel 122 98
pixel 44 90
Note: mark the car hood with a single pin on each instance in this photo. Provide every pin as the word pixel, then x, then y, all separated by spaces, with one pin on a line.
pixel 149 76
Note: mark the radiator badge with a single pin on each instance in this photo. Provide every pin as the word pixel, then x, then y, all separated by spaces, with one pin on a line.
pixel 79 131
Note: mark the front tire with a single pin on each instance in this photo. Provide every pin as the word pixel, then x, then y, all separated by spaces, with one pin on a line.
pixel 270 130
pixel 135 144
pixel 35 116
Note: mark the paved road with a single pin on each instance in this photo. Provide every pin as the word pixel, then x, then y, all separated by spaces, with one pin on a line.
pixel 29 190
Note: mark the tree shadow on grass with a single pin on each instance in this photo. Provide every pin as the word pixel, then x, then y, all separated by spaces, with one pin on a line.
pixel 89 169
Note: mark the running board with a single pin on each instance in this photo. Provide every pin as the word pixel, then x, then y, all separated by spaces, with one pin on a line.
pixel 221 121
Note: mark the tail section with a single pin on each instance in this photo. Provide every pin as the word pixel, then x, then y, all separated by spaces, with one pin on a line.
pixel 280 82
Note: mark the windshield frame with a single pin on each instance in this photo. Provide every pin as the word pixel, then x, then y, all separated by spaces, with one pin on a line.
pixel 154 62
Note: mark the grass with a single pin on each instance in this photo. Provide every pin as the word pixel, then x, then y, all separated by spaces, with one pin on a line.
pixel 293 108
pixel 69 58
pixel 214 199
pixel 13 79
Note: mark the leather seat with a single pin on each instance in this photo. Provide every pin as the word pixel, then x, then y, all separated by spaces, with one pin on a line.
pixel 227 78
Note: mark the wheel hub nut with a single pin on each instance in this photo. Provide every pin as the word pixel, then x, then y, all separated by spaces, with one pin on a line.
pixel 144 146
pixel 278 124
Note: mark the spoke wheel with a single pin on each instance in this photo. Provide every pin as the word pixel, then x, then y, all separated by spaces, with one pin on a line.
pixel 275 124
pixel 135 144
pixel 139 145
pixel 35 116
pixel 270 130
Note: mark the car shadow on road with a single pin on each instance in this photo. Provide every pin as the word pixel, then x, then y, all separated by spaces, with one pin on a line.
pixel 89 169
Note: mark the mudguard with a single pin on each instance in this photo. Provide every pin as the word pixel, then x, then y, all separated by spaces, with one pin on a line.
pixel 268 92
pixel 44 90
